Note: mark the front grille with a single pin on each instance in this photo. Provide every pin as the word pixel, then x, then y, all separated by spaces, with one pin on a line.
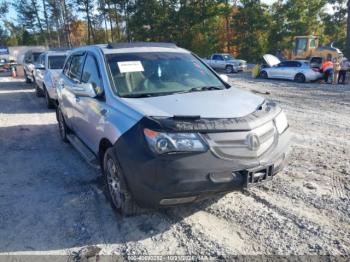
pixel 233 145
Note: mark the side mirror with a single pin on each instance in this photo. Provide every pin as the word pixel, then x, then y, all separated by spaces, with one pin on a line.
pixel 85 90
pixel 39 67
pixel 224 78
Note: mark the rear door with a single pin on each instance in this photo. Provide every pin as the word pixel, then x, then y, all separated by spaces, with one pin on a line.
pixel 70 80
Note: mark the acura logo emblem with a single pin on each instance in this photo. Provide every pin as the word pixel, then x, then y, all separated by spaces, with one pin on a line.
pixel 253 142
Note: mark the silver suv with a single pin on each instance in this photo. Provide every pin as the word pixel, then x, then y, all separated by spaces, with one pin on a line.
pixel 164 127
pixel 46 74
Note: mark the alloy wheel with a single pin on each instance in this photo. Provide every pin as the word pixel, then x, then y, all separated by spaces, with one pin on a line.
pixel 114 184
pixel 229 69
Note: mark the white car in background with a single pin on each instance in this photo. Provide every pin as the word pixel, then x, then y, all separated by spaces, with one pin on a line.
pixel 297 70
pixel 47 71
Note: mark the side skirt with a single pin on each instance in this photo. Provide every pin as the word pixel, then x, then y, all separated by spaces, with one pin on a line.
pixel 84 151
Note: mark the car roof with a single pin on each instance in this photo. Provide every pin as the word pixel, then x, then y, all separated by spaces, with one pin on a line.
pixel 57 53
pixel 134 47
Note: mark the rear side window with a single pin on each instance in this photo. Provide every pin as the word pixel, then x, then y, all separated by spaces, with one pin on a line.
pixel 91 74
pixel 76 67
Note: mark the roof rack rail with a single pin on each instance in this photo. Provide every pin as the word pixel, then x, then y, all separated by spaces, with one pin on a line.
pixel 140 44
pixel 58 49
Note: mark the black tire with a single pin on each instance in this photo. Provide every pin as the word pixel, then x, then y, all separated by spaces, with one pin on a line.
pixel 28 81
pixel 299 78
pixel 229 69
pixel 115 186
pixel 50 103
pixel 62 127
pixel 38 91
pixel 263 74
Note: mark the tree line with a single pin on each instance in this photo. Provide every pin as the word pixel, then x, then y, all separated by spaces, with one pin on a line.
pixel 247 28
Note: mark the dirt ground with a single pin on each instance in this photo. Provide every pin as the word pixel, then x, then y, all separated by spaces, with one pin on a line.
pixel 51 201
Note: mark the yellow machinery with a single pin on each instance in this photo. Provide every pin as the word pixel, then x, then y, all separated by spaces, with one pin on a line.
pixel 306 47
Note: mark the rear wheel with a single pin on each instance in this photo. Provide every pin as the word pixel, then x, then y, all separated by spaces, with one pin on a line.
pixel 300 78
pixel 63 129
pixel 263 74
pixel 115 186
pixel 28 81
pixel 50 103
pixel 38 91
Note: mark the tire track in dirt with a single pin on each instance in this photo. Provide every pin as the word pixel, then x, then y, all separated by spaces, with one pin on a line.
pixel 269 225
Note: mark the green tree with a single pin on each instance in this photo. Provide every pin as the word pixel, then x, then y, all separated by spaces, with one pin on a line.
pixel 251 23
pixel 347 49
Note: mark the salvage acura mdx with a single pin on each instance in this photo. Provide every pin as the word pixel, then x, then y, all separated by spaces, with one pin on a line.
pixel 164 127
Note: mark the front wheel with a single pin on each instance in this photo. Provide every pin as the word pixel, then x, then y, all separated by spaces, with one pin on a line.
pixel 264 75
pixel 115 186
pixel 299 78
pixel 28 81
pixel 38 91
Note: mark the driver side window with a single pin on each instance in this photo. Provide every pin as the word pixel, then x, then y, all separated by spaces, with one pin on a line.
pixel 91 74
pixel 217 57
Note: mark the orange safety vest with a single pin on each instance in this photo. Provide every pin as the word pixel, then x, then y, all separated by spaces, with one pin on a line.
pixel 327 65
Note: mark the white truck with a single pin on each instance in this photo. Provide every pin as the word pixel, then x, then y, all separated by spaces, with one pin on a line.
pixel 226 62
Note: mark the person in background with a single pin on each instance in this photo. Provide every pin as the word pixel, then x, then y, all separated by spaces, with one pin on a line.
pixel 327 69
pixel 336 69
pixel 344 66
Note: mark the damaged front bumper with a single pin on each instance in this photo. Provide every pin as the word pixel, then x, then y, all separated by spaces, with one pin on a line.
pixel 171 179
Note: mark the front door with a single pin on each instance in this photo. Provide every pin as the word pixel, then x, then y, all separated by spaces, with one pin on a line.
pixel 89 112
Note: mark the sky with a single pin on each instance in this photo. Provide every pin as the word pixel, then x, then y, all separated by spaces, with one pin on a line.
pixel 12 14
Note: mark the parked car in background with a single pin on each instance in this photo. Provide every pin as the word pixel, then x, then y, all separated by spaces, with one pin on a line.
pixel 226 62
pixel 4 65
pixel 46 75
pixel 164 127
pixel 297 70
pixel 30 59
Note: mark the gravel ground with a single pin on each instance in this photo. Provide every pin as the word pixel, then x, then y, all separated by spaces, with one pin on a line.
pixel 51 201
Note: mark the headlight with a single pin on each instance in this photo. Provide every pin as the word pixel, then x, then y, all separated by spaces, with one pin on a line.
pixel 161 143
pixel 281 122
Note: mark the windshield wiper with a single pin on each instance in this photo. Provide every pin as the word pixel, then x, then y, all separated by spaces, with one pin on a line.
pixel 198 89
pixel 139 95
pixel 194 89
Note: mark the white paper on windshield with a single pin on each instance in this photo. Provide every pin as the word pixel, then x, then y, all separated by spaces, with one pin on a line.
pixel 130 66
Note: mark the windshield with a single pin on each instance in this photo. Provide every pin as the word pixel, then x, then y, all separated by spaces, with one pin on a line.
pixel 161 73
pixel 228 57
pixel 36 56
pixel 56 62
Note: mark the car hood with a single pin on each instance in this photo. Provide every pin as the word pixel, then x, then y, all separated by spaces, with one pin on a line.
pixel 228 103
pixel 271 60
